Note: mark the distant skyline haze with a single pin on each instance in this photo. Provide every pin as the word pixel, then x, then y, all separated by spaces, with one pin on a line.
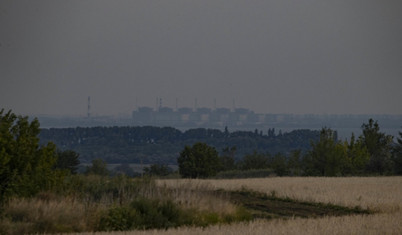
pixel 288 56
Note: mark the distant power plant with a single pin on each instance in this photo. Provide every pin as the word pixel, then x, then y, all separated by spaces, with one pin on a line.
pixel 241 118
pixel 197 116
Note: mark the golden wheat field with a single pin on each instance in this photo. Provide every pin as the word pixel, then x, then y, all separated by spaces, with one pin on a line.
pixel 382 194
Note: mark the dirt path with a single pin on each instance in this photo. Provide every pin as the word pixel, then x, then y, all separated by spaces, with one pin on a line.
pixel 264 206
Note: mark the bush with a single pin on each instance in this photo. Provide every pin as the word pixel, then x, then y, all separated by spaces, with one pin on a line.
pixel 117 219
pixel 156 214
pixel 198 161
pixel 144 214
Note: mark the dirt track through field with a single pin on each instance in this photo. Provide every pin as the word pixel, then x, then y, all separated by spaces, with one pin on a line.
pixel 270 207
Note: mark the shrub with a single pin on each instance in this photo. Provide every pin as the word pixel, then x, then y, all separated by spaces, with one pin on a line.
pixel 144 214
pixel 198 161
pixel 156 214
pixel 38 215
pixel 117 219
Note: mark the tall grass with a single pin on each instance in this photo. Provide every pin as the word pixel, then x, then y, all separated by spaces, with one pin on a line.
pixel 94 203
pixel 41 215
pixel 90 203
pixel 383 194
pixel 354 224
pixel 376 193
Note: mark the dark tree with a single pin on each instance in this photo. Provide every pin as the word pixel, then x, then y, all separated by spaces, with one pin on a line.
pixel 228 159
pixel 198 161
pixel 67 160
pixel 295 162
pixel 25 167
pixel 279 163
pixel 358 157
pixel 254 161
pixel 379 146
pixel 157 170
pixel 271 132
pixel 98 168
pixel 327 157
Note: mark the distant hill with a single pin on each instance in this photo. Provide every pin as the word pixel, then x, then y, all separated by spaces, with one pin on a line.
pixel 162 145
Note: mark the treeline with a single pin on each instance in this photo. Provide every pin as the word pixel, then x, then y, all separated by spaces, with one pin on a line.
pixel 162 145
pixel 372 153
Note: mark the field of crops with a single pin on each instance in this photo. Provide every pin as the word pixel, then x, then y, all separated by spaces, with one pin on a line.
pixel 380 194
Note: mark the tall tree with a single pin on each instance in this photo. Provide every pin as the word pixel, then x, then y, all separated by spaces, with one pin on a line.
pixel 67 160
pixel 25 167
pixel 379 146
pixel 295 162
pixel 358 156
pixel 327 157
pixel 228 159
pixel 255 161
pixel 157 170
pixel 99 167
pixel 279 163
pixel 198 161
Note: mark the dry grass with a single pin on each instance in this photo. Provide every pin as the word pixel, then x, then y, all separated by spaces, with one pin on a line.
pixel 192 194
pixel 45 214
pixel 53 213
pixel 364 225
pixel 376 193
pixel 380 193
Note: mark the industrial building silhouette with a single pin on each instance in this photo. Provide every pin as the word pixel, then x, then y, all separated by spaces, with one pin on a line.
pixel 196 116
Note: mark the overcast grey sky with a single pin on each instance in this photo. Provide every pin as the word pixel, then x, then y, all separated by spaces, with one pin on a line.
pixel 282 56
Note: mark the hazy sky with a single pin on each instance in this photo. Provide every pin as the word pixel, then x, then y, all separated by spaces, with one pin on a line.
pixel 282 56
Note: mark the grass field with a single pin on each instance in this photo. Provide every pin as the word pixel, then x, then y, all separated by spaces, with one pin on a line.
pixel 382 194
pixel 376 193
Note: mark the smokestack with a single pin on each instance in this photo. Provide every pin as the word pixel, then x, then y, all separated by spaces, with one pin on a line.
pixel 195 105
pixel 89 107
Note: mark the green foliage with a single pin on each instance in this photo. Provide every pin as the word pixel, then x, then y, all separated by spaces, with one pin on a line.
pixel 227 159
pixel 254 161
pixel 157 145
pixel 156 214
pixel 157 170
pixel 198 161
pixel 145 213
pixel 379 146
pixel 98 168
pixel 279 163
pixel 118 219
pixel 327 157
pixel 370 154
pixel 119 189
pixel 25 167
pixel 67 160
pixel 358 157
pixel 295 163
